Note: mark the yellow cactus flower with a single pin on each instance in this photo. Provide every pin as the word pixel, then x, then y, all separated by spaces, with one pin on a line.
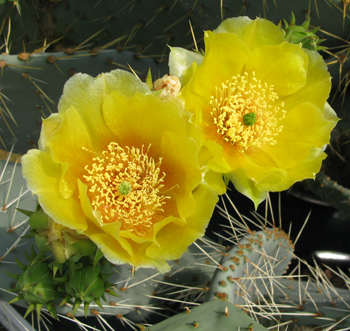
pixel 120 165
pixel 260 103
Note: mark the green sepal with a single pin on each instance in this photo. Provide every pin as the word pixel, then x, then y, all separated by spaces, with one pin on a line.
pixel 72 266
pixel 292 20
pixel 28 236
pixel 80 248
pixel 305 25
pixel 38 257
pixel 55 266
pixel 33 252
pixel 86 308
pixel 25 212
pixel 149 81
pixel 39 220
pixel 38 307
pixel 28 257
pixel 65 300
pixel 42 243
pixel 15 276
pixel 62 279
pixel 98 302
pixel 76 257
pixel 17 298
pixel 51 308
pixel 97 257
pixel 113 293
pixel 29 310
pixel 76 305
pixel 156 93
pixel 105 276
pixel 103 297
pixel 226 180
pixel 20 264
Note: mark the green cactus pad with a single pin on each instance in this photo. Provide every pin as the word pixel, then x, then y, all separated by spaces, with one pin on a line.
pixel 247 267
pixel 214 315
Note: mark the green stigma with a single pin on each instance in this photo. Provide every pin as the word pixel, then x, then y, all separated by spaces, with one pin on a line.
pixel 249 119
pixel 124 188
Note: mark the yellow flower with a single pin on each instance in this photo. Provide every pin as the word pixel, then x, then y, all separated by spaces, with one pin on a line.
pixel 260 103
pixel 120 166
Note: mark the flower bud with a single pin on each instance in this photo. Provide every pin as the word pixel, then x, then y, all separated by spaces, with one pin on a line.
pixel 170 84
pixel 64 243
pixel 36 284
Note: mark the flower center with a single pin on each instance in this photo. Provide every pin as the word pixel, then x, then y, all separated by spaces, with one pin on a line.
pixel 124 185
pixel 245 112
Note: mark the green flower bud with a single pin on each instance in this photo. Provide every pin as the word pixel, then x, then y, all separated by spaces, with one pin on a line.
pixel 64 243
pixel 86 284
pixel 300 34
pixel 36 284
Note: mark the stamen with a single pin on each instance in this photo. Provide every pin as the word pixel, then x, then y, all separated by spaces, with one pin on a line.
pixel 245 112
pixel 124 186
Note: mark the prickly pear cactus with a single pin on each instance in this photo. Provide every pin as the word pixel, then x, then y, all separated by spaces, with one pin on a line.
pixel 209 316
pixel 245 268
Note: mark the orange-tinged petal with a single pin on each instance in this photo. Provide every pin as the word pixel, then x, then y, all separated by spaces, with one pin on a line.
pixel 254 33
pixel 141 120
pixel 110 247
pixel 182 170
pixel 286 68
pixel 43 176
pixel 86 94
pixel 185 234
pixel 112 229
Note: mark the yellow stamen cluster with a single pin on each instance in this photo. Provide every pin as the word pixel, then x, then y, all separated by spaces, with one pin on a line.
pixel 246 95
pixel 124 186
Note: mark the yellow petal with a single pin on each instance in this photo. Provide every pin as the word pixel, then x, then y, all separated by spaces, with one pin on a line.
pixel 110 247
pixel 112 229
pixel 215 181
pixel 185 234
pixel 285 69
pixel 141 120
pixel 182 170
pixel 254 33
pixel 304 127
pixel 245 185
pixel 49 126
pixel 317 87
pixel 86 94
pixel 218 66
pixel 218 162
pixel 43 175
pixel 307 169
pixel 70 144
